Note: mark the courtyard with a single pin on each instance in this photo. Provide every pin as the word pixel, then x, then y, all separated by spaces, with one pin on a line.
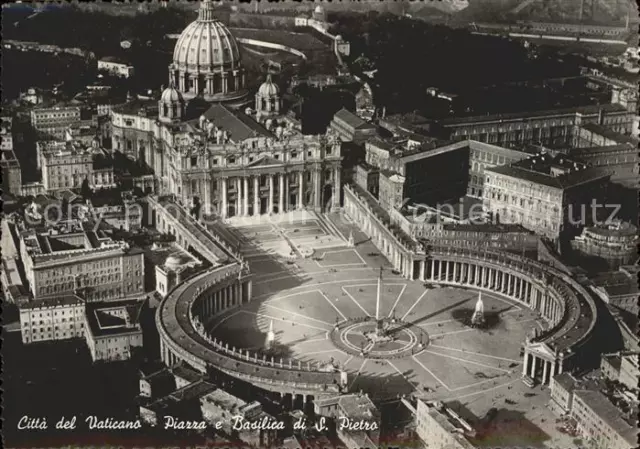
pixel 305 298
pixel 476 370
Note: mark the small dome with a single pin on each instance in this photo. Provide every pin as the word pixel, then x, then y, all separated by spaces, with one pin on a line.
pixel 319 10
pixel 269 88
pixel 172 262
pixel 171 95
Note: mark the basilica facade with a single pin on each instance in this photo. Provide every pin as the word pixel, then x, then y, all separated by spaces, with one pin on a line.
pixel 205 138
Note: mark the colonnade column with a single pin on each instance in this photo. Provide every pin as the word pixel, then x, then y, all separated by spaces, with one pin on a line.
pixel 423 266
pixel 281 188
pixel 525 365
pixel 270 194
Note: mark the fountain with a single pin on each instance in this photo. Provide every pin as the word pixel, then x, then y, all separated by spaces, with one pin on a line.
pixel 351 243
pixel 477 319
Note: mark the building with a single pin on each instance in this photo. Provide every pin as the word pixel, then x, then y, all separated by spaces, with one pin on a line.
pixel 84 132
pixel 619 288
pixel 170 274
pixel 351 128
pixel 10 275
pixel 183 404
pixel 616 242
pixel 222 407
pixel 594 135
pixel 238 163
pixel 483 156
pixel 556 127
pixel 52 122
pixel 562 387
pixel 420 169
pixel 440 427
pixel 621 160
pixel 591 412
pixel 629 371
pixel 354 408
pixel 11 171
pixel 546 194
pixel 67 259
pixel 113 330
pixel 66 165
pixel 56 318
pixel 115 67
pixel 621 367
pixel 368 178
pixel 600 422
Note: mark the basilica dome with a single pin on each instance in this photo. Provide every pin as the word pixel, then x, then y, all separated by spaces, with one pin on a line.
pixel 207 60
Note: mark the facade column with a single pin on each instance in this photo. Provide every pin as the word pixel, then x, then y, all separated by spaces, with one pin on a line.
pixel 336 188
pixel 525 365
pixel 245 197
pixel 281 192
pixel 256 196
pixel 422 269
pixel 433 269
pixel 545 372
pixel 533 366
pixel 238 197
pixel 316 188
pixel 553 372
pixel 224 211
pixel 447 271
pixel 270 194
pixel 300 190
pixel 475 275
pixel 455 271
pixel 287 195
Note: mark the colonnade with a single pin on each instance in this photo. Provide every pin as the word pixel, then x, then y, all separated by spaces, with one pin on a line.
pixel 496 279
pixel 537 367
pixel 209 84
pixel 282 192
pixel 209 303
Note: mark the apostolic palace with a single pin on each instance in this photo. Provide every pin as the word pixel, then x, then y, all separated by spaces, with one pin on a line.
pixel 206 139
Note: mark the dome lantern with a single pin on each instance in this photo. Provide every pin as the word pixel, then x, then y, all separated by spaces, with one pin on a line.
pixel 268 98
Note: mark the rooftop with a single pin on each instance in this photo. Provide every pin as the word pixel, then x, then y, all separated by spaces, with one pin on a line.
pixel 358 407
pixel 238 124
pixel 352 119
pixel 65 300
pixel 586 110
pixel 557 171
pixel 113 318
pixel 609 133
pixel 610 414
pixel 193 391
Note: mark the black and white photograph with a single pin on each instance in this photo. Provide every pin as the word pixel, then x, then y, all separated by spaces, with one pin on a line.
pixel 320 225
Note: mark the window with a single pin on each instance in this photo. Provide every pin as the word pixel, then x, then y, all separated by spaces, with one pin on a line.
pixel 194 161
